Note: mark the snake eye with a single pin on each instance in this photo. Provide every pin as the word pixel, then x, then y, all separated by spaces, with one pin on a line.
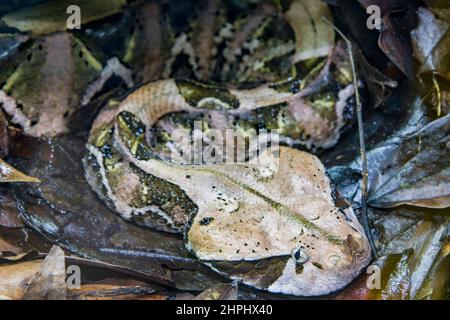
pixel 299 255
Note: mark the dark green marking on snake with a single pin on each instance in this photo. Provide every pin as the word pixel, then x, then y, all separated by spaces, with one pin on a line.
pixel 165 195
pixel 290 84
pixel 132 132
pixel 194 92
pixel 266 271
pixel 276 118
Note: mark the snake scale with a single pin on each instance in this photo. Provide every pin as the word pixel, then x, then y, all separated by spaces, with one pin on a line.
pixel 283 230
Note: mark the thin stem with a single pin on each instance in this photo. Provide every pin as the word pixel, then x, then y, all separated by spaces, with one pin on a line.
pixel 438 94
pixel 362 144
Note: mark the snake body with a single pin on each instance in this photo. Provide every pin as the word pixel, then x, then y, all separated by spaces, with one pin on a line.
pixel 277 215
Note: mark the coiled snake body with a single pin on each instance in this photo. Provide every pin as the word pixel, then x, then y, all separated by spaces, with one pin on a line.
pixel 282 224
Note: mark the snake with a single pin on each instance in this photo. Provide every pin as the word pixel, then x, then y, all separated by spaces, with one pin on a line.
pixel 274 220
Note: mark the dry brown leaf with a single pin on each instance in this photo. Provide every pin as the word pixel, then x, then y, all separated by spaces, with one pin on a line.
pixel 102 291
pixel 49 283
pixel 9 174
pixel 5 246
pixel 221 291
pixel 15 278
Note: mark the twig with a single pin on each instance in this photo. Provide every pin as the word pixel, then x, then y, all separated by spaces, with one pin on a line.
pixel 362 144
pixel 438 94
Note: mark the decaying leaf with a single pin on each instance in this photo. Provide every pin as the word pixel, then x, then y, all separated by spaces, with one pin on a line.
pixel 221 291
pixel 421 232
pixel 440 8
pixel 49 282
pixel 314 37
pixel 410 167
pixel 116 289
pixel 52 16
pixel 395 277
pixel 7 248
pixel 9 215
pixel 15 278
pixel 4 135
pixel 7 257
pixel 416 171
pixel 431 43
pixel 9 174
pixel 398 19
pixel 440 277
pixel 378 83
pixel 427 243
pixel 387 279
pixel 15 242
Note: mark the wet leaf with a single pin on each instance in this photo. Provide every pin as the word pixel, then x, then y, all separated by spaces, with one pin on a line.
pixel 314 37
pixel 51 16
pixel 431 43
pixel 427 245
pixel 9 174
pixel 441 279
pixel 420 230
pixel 415 170
pixel 9 215
pixel 395 277
pixel 18 241
pixel 413 159
pixel 394 281
pixel 437 284
pixel 440 8
pixel 11 49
